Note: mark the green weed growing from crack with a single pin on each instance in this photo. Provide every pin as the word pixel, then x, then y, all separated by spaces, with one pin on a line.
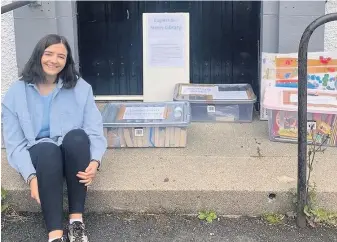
pixel 4 204
pixel 314 214
pixel 273 218
pixel 8 213
pixel 209 216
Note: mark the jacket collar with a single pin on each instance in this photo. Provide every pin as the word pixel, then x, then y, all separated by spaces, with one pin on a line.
pixel 59 84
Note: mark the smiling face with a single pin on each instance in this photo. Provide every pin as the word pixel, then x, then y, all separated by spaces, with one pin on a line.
pixel 54 60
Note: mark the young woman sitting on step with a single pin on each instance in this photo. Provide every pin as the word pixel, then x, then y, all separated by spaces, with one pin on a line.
pixel 53 130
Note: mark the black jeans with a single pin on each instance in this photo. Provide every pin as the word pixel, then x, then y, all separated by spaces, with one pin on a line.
pixel 52 164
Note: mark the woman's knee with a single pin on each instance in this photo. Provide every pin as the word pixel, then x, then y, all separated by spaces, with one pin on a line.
pixel 75 140
pixel 47 155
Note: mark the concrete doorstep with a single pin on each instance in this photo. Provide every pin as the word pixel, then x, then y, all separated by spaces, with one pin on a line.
pixel 231 168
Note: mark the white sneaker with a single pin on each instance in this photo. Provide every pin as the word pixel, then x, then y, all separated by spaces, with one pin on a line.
pixel 59 240
pixel 77 232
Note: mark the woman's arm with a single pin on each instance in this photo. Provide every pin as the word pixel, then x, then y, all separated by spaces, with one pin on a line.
pixel 93 126
pixel 15 143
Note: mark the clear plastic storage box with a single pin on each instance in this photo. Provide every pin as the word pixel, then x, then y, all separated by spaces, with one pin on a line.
pixel 217 102
pixel 281 105
pixel 140 124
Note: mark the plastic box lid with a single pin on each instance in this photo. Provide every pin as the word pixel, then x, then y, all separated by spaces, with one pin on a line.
pixel 146 114
pixel 286 99
pixel 215 93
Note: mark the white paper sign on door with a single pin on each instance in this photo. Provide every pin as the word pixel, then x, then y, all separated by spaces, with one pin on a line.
pixel 166 56
pixel 166 40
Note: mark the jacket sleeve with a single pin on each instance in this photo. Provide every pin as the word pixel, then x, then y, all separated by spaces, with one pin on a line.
pixel 15 143
pixel 93 126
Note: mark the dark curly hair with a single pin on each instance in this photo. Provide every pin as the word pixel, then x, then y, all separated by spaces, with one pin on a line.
pixel 33 72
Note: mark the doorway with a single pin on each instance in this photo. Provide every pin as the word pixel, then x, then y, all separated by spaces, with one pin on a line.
pixel 224 42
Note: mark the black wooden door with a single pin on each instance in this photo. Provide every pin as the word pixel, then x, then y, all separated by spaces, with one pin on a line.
pixel 224 38
pixel 109 47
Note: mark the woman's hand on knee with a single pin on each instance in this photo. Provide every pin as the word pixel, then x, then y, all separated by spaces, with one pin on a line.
pixel 89 173
pixel 34 190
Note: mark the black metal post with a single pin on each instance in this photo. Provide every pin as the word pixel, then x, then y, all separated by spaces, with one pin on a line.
pixel 14 5
pixel 302 115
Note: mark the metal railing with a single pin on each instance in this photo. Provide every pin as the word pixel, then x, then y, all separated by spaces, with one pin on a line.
pixel 14 5
pixel 302 114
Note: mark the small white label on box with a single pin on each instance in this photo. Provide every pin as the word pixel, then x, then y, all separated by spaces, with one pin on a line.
pixel 139 132
pixel 311 125
pixel 211 109
pixel 203 90
pixel 144 113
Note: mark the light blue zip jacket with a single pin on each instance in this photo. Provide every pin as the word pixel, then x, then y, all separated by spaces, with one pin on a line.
pixel 70 109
